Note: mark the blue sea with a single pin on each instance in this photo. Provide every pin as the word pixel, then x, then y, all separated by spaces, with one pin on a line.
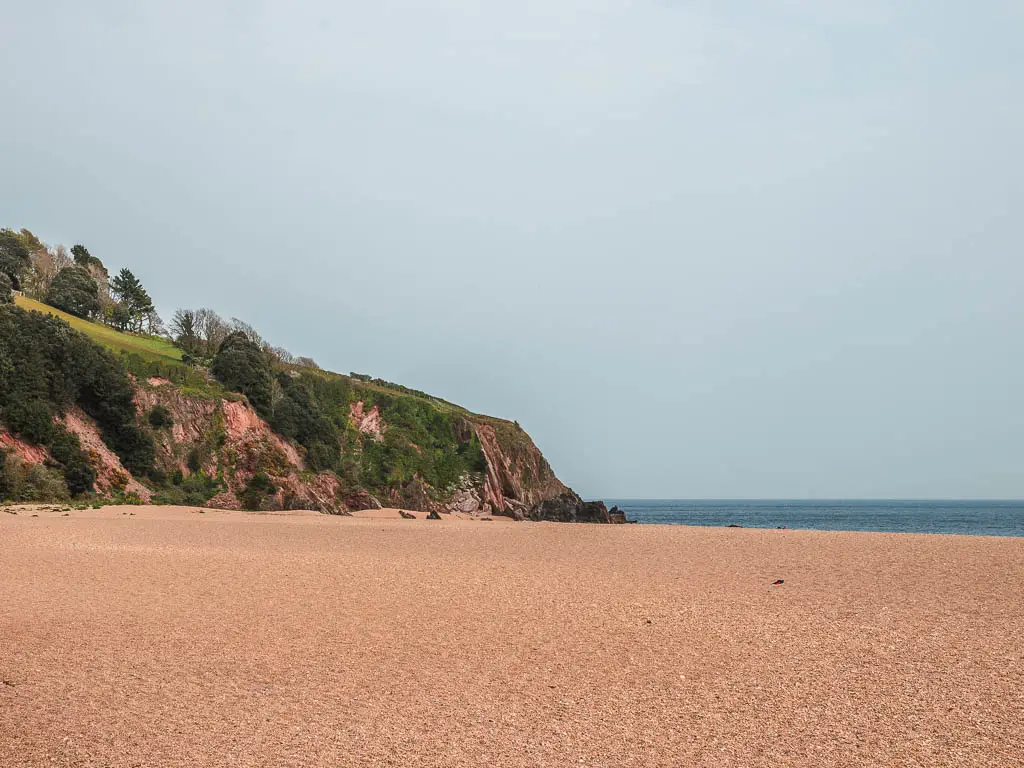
pixel 976 518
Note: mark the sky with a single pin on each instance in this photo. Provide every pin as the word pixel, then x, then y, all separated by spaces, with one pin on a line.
pixel 709 249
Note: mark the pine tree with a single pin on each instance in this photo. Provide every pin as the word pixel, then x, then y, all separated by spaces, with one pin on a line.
pixel 127 288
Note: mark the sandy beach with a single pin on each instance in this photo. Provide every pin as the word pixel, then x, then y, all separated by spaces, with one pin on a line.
pixel 171 637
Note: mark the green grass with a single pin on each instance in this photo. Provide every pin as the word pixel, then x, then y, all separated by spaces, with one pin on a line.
pixel 149 348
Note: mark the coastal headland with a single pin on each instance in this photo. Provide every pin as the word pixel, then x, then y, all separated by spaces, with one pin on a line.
pixel 174 636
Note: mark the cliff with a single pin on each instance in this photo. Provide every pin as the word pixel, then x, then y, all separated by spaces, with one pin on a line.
pixel 227 439
pixel 247 430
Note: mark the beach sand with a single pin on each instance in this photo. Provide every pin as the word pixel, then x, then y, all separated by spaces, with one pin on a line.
pixel 167 637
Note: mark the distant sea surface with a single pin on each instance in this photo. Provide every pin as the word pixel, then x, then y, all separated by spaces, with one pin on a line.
pixel 976 518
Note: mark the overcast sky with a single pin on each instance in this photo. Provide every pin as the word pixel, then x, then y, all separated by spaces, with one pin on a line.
pixel 698 249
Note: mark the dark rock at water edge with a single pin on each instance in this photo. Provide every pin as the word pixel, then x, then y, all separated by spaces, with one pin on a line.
pixel 570 508
pixel 617 516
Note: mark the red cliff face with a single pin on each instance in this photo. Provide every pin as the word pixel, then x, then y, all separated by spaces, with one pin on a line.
pixel 229 441
pixel 518 476
pixel 368 422
pixel 111 475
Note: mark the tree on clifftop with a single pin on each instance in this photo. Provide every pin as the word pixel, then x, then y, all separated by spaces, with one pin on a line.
pixel 14 257
pixel 5 289
pixel 242 366
pixel 128 290
pixel 74 291
pixel 82 256
pixel 199 332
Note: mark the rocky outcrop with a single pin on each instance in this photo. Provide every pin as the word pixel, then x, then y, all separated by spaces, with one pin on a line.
pixel 467 498
pixel 617 516
pixel 518 476
pixel 518 482
pixel 570 508
pixel 368 422
pixel 360 499
pixel 29 453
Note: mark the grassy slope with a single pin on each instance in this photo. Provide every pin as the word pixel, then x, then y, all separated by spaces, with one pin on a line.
pixel 161 350
pixel 147 347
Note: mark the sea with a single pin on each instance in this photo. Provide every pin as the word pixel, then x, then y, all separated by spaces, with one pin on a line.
pixel 975 518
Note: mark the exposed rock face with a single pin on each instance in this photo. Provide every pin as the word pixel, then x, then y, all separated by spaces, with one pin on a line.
pixel 466 498
pixel 229 440
pixel 518 476
pixel 110 473
pixel 368 422
pixel 30 454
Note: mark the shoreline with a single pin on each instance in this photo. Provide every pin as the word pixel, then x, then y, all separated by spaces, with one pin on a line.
pixel 57 509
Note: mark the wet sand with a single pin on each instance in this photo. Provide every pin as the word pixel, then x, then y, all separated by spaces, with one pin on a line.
pixel 172 638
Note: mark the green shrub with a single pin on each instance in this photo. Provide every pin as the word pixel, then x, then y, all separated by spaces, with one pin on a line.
pixel 194 490
pixel 181 374
pixel 260 486
pixel 194 462
pixel 66 450
pixel 30 418
pixel 160 417
pixel 30 482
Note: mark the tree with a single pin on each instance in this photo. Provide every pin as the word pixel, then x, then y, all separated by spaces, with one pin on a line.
pixel 6 297
pixel 119 316
pixel 281 354
pixel 211 330
pixel 242 366
pixel 154 323
pixel 183 330
pixel 240 326
pixel 75 292
pixel 30 241
pixel 14 256
pixel 199 332
pixel 81 255
pixel 127 288
pixel 45 265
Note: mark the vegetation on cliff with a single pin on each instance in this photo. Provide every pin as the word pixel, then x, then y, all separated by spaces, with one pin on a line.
pixel 77 339
pixel 46 368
